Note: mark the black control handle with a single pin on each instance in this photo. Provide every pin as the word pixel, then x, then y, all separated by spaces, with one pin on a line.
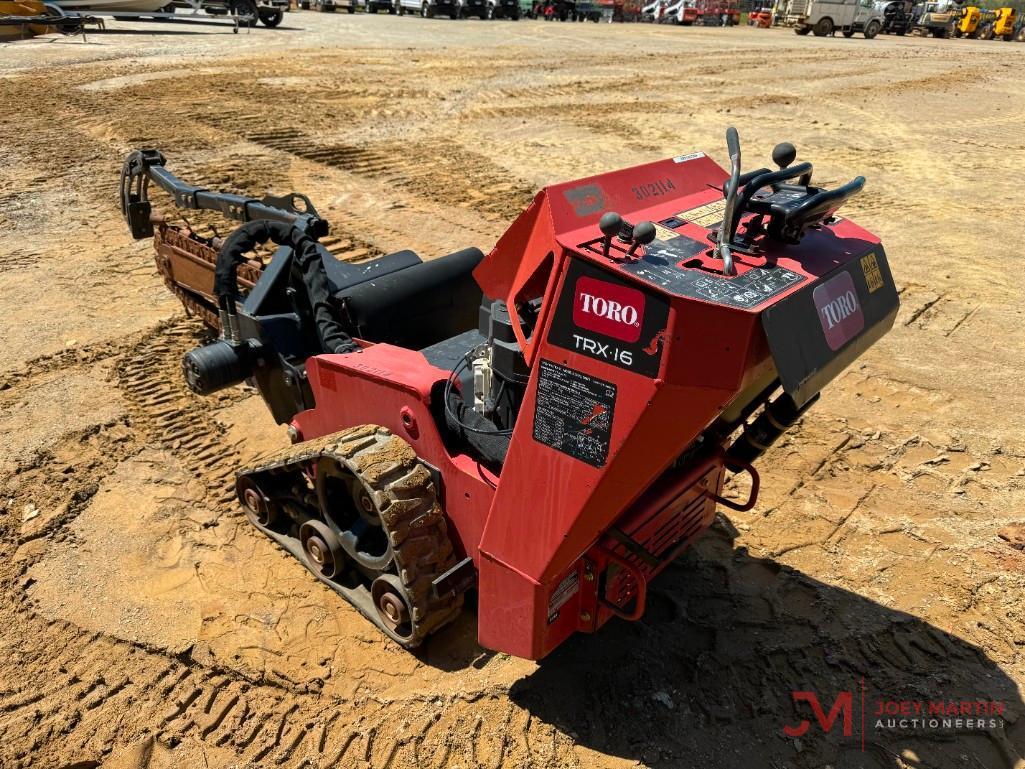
pixel 644 233
pixel 783 154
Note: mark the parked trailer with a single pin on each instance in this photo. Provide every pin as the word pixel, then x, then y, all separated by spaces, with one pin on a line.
pixel 825 17
pixel 718 13
pixel 269 12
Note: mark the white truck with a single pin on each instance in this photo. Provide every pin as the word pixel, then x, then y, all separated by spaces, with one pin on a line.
pixel 824 17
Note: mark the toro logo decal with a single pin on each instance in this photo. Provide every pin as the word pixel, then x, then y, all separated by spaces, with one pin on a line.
pixel 839 310
pixel 615 311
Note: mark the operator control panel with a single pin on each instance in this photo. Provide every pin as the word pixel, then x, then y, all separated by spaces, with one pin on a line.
pixel 685 266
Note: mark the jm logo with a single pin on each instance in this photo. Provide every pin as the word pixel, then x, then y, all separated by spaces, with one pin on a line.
pixel 842 705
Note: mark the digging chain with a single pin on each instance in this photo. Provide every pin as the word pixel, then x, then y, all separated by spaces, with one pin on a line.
pixel 170 237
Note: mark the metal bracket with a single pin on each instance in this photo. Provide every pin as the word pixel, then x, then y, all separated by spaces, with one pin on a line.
pixel 456 580
pixel 755 484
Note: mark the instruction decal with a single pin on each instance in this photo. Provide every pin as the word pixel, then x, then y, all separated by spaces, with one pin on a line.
pixel 573 413
pixel 707 216
pixel 565 590
pixel 661 267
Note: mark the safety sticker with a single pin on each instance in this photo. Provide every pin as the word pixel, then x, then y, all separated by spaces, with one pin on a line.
pixel 566 589
pixel 707 216
pixel 573 413
pixel 873 277
pixel 664 233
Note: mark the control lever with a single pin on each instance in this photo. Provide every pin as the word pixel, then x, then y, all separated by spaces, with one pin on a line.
pixel 643 234
pixel 609 224
pixel 783 154
pixel 730 190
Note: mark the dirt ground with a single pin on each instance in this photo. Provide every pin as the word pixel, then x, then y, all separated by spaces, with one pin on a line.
pixel 144 623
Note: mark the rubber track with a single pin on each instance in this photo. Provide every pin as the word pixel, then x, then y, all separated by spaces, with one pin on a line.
pixel 405 496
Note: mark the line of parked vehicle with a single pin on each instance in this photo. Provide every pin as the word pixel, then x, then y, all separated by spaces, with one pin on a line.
pixel 685 12
pixel 938 18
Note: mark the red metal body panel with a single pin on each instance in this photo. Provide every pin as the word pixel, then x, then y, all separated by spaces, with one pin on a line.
pixel 391 386
pixel 540 540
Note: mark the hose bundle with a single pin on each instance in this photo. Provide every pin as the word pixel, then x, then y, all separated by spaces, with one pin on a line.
pixel 308 259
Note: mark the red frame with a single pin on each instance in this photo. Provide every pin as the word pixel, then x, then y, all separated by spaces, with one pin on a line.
pixel 545 523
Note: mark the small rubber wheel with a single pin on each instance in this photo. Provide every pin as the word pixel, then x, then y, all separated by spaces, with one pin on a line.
pixel 871 30
pixel 823 28
pixel 393 608
pixel 259 509
pixel 323 552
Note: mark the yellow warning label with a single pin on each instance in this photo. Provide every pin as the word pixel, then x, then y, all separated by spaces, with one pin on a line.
pixel 873 277
pixel 708 215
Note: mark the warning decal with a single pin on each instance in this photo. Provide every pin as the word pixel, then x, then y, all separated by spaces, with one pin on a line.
pixel 873 277
pixel 574 412
pixel 708 215
pixel 565 590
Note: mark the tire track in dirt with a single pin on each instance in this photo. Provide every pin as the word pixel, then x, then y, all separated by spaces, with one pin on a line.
pixel 102 693
pixel 435 169
pixel 171 416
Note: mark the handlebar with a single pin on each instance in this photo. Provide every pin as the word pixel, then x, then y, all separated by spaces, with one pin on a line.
pixel 822 202
pixel 761 181
pixel 730 191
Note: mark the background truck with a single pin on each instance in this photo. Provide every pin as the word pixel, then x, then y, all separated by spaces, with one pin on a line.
pixel 503 9
pixel 898 16
pixel 824 17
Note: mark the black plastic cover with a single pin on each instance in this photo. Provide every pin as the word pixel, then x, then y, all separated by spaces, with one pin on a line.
pixel 817 332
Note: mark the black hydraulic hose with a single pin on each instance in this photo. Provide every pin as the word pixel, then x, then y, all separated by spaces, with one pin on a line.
pixel 307 258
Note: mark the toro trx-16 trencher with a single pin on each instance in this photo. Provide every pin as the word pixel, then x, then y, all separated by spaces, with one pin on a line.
pixel 549 424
